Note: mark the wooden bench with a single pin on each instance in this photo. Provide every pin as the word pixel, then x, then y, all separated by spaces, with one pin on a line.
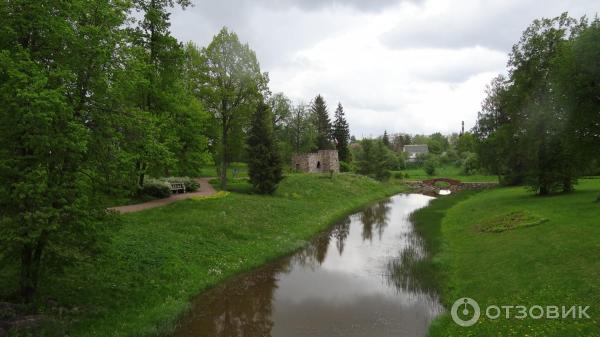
pixel 177 187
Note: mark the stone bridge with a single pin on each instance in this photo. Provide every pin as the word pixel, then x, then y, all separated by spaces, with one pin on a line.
pixel 430 186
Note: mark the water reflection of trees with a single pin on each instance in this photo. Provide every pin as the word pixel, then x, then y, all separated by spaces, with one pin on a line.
pixel 242 307
pixel 315 253
pixel 413 272
pixel 340 233
pixel 375 218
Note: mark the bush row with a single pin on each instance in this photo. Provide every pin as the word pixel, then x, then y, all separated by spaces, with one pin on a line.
pixel 161 188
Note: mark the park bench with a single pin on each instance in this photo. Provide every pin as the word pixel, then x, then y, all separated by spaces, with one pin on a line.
pixel 177 187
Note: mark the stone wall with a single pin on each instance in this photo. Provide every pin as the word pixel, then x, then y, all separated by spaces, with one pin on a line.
pixel 427 188
pixel 322 161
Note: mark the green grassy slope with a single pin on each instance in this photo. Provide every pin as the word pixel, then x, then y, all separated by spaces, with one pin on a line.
pixel 553 263
pixel 162 257
pixel 452 172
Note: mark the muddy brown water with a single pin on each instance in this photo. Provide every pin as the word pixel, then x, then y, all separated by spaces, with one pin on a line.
pixel 353 280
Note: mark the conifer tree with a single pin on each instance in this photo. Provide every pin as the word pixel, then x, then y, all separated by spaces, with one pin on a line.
pixel 385 139
pixel 264 165
pixel 341 134
pixel 322 123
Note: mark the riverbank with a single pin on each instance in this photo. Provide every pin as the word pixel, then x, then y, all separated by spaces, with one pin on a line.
pixel 162 257
pixel 507 247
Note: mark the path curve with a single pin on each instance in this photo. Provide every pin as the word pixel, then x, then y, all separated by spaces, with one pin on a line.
pixel 205 189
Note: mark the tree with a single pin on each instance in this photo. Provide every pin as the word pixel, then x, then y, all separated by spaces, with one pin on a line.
pixel 341 134
pixel 282 110
pixel 374 159
pixel 52 85
pixel 234 87
pixel 264 164
pixel 160 106
pixel 522 131
pixel 579 78
pixel 301 130
pixel 322 123
pixel 399 140
pixel 386 139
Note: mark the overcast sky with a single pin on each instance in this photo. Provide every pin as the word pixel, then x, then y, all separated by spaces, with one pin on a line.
pixel 415 66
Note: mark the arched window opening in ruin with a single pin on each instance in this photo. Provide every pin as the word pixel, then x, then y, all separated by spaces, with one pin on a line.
pixel 318 164
pixel 297 167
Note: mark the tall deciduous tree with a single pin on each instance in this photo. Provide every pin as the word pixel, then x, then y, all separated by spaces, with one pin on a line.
pixel 523 128
pixel 162 104
pixel 341 134
pixel 264 164
pixel 51 86
pixel 322 123
pixel 234 87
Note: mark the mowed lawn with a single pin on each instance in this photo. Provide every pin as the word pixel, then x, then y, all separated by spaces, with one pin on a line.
pixel 162 257
pixel 556 262
pixel 451 172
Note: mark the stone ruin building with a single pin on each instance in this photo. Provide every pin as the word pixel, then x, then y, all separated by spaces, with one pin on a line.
pixel 322 161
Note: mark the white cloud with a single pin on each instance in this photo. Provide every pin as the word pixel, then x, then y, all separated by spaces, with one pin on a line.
pixel 404 66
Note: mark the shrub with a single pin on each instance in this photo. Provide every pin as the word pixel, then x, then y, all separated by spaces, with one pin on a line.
pixel 383 175
pixel 190 184
pixel 469 163
pixel 429 166
pixel 398 175
pixel 345 167
pixel 156 188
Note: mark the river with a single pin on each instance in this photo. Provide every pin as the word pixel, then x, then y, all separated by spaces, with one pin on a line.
pixel 353 280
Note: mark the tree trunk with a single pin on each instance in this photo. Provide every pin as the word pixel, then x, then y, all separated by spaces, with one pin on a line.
pixel 141 172
pixel 567 186
pixel 31 258
pixel 26 281
pixel 224 158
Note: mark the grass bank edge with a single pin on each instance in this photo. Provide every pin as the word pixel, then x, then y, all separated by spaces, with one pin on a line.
pixel 550 263
pixel 153 323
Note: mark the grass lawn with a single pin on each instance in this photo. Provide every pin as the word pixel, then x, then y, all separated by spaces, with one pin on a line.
pixel 211 170
pixel 451 172
pixel 162 257
pixel 548 257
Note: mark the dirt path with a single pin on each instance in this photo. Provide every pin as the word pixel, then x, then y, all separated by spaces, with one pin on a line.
pixel 205 189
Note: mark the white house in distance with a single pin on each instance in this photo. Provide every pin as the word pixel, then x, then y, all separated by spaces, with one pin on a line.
pixel 413 151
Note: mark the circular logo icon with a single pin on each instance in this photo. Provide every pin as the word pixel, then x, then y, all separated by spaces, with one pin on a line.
pixel 464 308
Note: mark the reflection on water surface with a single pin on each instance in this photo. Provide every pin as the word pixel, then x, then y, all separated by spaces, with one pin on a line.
pixel 354 280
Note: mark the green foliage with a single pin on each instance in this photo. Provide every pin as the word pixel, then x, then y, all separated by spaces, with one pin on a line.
pixel 341 134
pixel 469 163
pixel 345 167
pixel 233 87
pixel 190 184
pixel 156 188
pixel 320 117
pixel 51 81
pixel 532 125
pixel 374 159
pixel 430 165
pixel 449 171
pixel 385 139
pixel 264 164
